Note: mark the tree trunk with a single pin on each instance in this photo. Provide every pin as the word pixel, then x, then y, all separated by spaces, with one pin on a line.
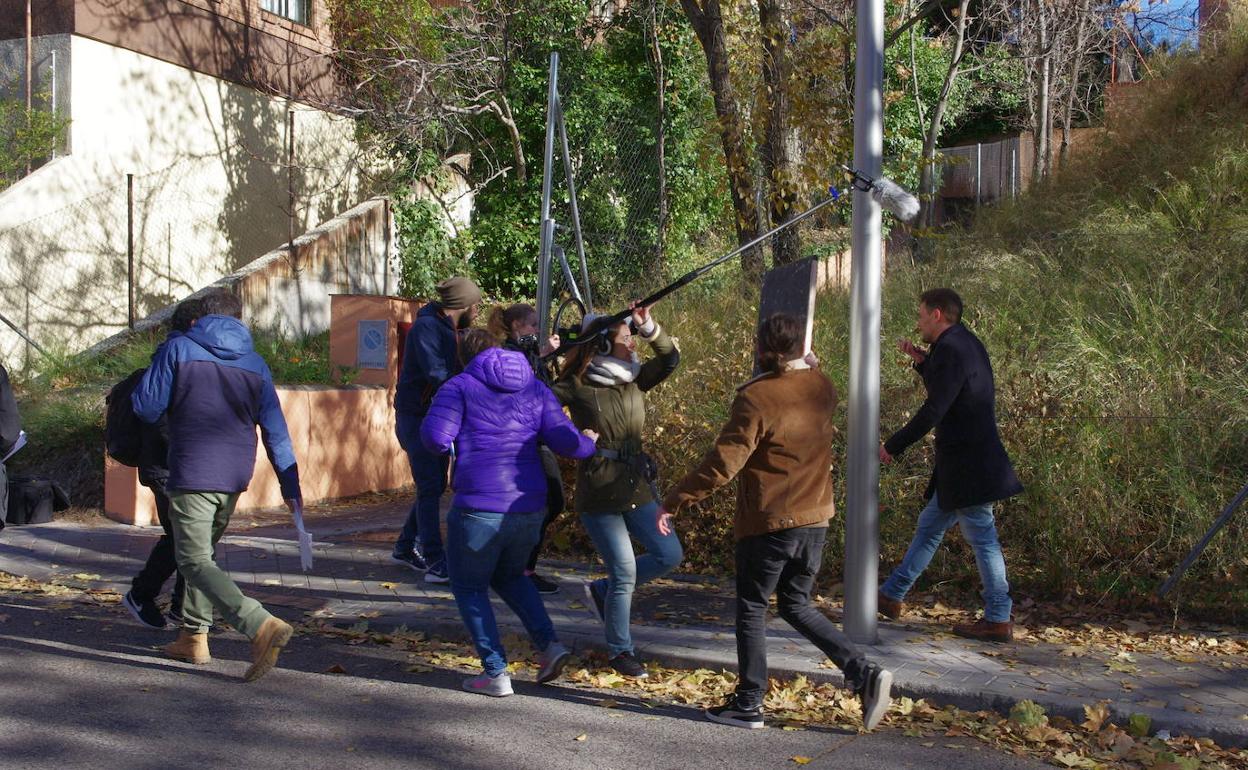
pixel 1043 119
pixel 927 186
pixel 708 25
pixel 1076 65
pixel 776 159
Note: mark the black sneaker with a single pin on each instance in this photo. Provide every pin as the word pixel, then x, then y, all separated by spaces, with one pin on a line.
pixel 410 559
pixel 597 602
pixel 146 612
pixel 626 664
pixel 544 585
pixel 876 682
pixel 437 573
pixel 732 714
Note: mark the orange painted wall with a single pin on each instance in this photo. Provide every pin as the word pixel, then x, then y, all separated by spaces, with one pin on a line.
pixel 343 440
pixel 345 313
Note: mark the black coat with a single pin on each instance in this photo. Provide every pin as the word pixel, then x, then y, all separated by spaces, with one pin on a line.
pixel 972 466
pixel 10 423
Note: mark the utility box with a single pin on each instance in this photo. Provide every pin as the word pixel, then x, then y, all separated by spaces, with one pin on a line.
pixel 364 336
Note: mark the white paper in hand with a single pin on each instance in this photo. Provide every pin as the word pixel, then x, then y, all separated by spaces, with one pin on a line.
pixel 305 539
pixel 21 442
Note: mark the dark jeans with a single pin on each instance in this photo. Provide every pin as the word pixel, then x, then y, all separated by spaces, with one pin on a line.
pixel 784 563
pixel 554 500
pixel 429 474
pixel 161 562
pixel 486 550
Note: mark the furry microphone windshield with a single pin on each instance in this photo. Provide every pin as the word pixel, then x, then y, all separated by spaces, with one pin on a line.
pixel 891 196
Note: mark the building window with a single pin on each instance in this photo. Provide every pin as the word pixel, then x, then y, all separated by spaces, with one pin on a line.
pixel 295 10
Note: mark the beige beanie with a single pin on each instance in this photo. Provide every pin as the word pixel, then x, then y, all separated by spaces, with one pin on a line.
pixel 458 293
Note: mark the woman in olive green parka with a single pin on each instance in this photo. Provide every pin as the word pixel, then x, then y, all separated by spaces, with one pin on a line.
pixel 603 384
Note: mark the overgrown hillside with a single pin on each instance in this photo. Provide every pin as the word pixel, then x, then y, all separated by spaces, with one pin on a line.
pixel 1112 301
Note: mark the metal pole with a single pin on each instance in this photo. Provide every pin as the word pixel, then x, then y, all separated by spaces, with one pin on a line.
pixel 30 71
pixel 290 185
pixel 862 547
pixel 576 211
pixel 130 250
pixel 1014 169
pixel 385 262
pixel 979 168
pixel 54 139
pixel 548 226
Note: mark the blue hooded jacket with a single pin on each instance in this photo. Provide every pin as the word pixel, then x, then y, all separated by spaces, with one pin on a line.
pixel 214 390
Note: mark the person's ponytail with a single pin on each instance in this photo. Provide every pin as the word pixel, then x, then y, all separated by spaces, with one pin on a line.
pixel 779 341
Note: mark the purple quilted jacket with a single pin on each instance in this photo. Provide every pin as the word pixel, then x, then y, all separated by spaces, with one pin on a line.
pixel 494 414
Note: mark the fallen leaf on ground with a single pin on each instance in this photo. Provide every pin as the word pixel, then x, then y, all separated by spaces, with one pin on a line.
pixel 582 737
pixel 800 760
pixel 335 669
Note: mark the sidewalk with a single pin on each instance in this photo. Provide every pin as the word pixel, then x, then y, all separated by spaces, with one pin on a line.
pixel 684 622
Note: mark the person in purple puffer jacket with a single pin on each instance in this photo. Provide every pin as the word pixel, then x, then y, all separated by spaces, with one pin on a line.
pixel 491 417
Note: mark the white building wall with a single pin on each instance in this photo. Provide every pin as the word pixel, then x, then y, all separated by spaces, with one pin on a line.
pixel 210 192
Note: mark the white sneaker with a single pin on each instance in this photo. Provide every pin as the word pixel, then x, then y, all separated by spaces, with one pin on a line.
pixel 552 661
pixel 493 686
pixel 874 693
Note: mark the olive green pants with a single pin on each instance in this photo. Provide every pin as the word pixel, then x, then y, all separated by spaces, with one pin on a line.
pixel 199 519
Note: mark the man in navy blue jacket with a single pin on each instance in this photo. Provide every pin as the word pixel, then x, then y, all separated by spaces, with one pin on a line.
pixel 214 389
pixel 430 358
pixel 972 469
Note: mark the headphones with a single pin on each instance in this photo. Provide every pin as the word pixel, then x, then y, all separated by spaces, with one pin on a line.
pixel 605 343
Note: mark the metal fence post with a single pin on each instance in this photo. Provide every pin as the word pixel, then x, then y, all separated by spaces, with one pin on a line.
pixel 548 229
pixel 130 250
pixel 979 171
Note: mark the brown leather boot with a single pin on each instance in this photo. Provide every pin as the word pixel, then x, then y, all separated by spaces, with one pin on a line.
pixel 889 608
pixel 985 631
pixel 266 645
pixel 192 648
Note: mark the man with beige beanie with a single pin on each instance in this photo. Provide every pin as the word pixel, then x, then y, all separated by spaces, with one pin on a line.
pixel 430 358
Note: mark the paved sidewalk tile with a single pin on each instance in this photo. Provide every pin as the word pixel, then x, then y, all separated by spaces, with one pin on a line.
pixel 355 581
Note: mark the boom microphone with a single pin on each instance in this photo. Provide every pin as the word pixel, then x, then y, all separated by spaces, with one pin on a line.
pixel 891 196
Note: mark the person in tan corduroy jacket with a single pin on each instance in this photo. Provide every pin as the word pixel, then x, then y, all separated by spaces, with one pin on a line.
pixel 778 441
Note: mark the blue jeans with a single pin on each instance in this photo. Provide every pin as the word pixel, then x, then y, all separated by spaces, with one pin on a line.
pixel 487 550
pixel 980 530
pixel 625 571
pixel 429 473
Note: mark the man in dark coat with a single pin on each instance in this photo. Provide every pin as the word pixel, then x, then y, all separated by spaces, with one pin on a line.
pixel 430 358
pixel 972 469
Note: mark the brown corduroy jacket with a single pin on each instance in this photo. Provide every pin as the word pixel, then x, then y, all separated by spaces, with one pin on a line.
pixel 778 439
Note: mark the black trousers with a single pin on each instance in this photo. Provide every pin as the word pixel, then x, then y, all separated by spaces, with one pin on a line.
pixel 554 499
pixel 161 562
pixel 784 563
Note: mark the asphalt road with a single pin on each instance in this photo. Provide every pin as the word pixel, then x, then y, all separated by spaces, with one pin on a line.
pixel 84 687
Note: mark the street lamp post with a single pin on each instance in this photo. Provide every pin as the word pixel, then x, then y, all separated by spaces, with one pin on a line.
pixel 862 469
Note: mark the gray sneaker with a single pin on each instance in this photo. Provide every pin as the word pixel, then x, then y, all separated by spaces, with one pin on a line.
pixel 874 693
pixel 493 686
pixel 552 661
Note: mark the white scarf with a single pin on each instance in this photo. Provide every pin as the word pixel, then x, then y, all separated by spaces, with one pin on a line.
pixel 609 370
